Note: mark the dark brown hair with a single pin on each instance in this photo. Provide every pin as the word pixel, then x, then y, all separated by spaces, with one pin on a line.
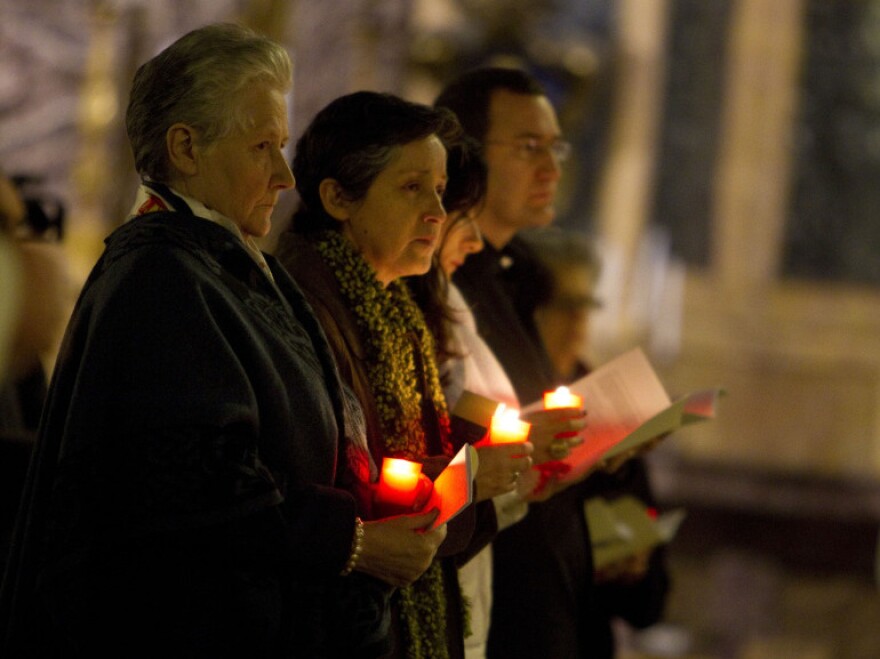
pixel 465 190
pixel 352 140
pixel 470 95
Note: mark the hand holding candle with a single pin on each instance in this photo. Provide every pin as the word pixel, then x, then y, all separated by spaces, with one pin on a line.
pixel 506 426
pixel 561 398
pixel 500 467
pixel 402 486
pixel 504 454
pixel 557 428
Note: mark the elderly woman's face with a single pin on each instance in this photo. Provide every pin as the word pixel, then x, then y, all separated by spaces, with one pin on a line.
pixel 397 225
pixel 242 174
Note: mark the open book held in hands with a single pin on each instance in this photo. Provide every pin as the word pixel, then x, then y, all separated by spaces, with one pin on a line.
pixel 627 407
pixel 624 527
pixel 453 488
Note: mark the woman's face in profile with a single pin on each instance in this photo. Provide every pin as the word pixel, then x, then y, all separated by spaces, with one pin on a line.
pixel 241 175
pixel 396 226
pixel 461 238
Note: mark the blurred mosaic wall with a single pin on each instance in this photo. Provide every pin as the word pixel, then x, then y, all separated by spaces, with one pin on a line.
pixel 833 232
pixel 67 65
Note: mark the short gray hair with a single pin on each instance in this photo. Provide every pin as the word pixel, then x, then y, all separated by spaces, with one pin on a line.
pixel 193 81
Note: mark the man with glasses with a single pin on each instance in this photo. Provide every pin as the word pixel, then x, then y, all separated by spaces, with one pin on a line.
pixel 543 572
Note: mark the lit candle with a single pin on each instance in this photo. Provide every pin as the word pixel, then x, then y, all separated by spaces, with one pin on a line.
pixel 507 427
pixel 561 398
pixel 399 482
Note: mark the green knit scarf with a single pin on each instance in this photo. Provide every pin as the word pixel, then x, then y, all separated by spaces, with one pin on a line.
pixel 393 330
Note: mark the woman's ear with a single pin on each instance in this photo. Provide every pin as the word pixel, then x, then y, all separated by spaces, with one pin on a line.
pixel 333 199
pixel 180 142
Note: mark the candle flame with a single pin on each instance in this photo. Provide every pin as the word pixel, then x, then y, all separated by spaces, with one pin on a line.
pixel 506 414
pixel 561 398
pixel 401 467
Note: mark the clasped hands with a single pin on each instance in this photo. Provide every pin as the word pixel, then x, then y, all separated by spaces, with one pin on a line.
pixel 399 549
pixel 400 546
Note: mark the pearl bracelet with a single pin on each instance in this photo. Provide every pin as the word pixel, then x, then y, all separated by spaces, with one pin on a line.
pixel 357 544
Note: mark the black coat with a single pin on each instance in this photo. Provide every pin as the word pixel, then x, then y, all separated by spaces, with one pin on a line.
pixel 182 491
pixel 546 560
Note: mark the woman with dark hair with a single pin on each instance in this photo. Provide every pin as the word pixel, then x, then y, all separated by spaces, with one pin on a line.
pixel 460 236
pixel 371 172
pixel 183 498
pixel 468 364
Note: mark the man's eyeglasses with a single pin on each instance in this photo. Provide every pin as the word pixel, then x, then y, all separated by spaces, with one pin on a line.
pixel 531 148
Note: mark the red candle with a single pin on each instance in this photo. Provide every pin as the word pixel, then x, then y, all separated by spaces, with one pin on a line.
pixel 507 427
pixel 399 482
pixel 561 398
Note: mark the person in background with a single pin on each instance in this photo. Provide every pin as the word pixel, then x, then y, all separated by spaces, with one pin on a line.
pixel 567 268
pixel 183 494
pixel 372 173
pixel 46 291
pixel 43 291
pixel 546 558
pixel 14 449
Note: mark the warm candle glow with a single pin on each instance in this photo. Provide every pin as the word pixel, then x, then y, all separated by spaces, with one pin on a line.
pixel 561 398
pixel 399 482
pixel 507 427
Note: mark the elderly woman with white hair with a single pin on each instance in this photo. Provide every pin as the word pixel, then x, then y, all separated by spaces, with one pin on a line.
pixel 183 500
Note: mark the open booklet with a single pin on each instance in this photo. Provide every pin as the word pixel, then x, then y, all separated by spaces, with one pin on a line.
pixel 624 527
pixel 453 488
pixel 627 407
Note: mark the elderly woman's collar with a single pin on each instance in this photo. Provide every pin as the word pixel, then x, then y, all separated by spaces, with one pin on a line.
pixel 154 197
